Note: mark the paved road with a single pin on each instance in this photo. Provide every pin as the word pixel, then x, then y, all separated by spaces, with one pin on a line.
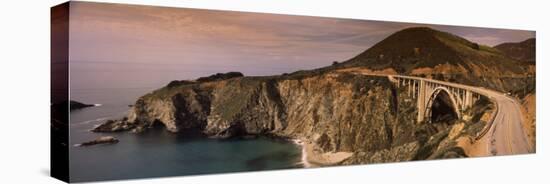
pixel 506 135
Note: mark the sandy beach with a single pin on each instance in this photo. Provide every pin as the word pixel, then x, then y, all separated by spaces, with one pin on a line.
pixel 312 157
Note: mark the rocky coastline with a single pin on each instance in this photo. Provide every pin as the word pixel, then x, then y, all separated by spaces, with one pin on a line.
pixel 337 116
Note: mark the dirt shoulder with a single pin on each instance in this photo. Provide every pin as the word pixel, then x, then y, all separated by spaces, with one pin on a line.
pixel 528 108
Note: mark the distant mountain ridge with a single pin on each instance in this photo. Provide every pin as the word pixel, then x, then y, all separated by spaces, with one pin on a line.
pixel 523 51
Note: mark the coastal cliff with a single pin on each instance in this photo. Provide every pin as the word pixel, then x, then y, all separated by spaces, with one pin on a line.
pixel 339 117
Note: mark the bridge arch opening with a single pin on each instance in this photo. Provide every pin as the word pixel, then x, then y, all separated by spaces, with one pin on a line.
pixel 442 107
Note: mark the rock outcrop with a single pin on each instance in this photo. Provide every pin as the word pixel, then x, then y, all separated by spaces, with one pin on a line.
pixel 100 140
pixel 74 105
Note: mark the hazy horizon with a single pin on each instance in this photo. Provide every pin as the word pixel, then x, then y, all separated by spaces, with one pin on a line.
pixel 125 46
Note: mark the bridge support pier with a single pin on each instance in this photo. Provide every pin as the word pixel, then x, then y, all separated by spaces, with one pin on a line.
pixel 421 101
pixel 468 100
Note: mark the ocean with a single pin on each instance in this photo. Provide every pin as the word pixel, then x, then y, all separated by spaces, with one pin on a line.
pixel 157 152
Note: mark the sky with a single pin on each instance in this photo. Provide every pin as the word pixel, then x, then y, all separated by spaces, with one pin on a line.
pixel 114 45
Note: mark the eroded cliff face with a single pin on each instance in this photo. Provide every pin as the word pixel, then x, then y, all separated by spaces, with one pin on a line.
pixel 365 116
pixel 324 107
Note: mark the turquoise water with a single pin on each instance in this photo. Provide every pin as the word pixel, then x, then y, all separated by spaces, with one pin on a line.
pixel 158 152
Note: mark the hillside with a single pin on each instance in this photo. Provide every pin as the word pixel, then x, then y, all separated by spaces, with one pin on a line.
pixel 523 51
pixel 425 52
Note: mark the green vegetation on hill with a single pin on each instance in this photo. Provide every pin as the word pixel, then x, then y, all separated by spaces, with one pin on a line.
pixel 420 47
